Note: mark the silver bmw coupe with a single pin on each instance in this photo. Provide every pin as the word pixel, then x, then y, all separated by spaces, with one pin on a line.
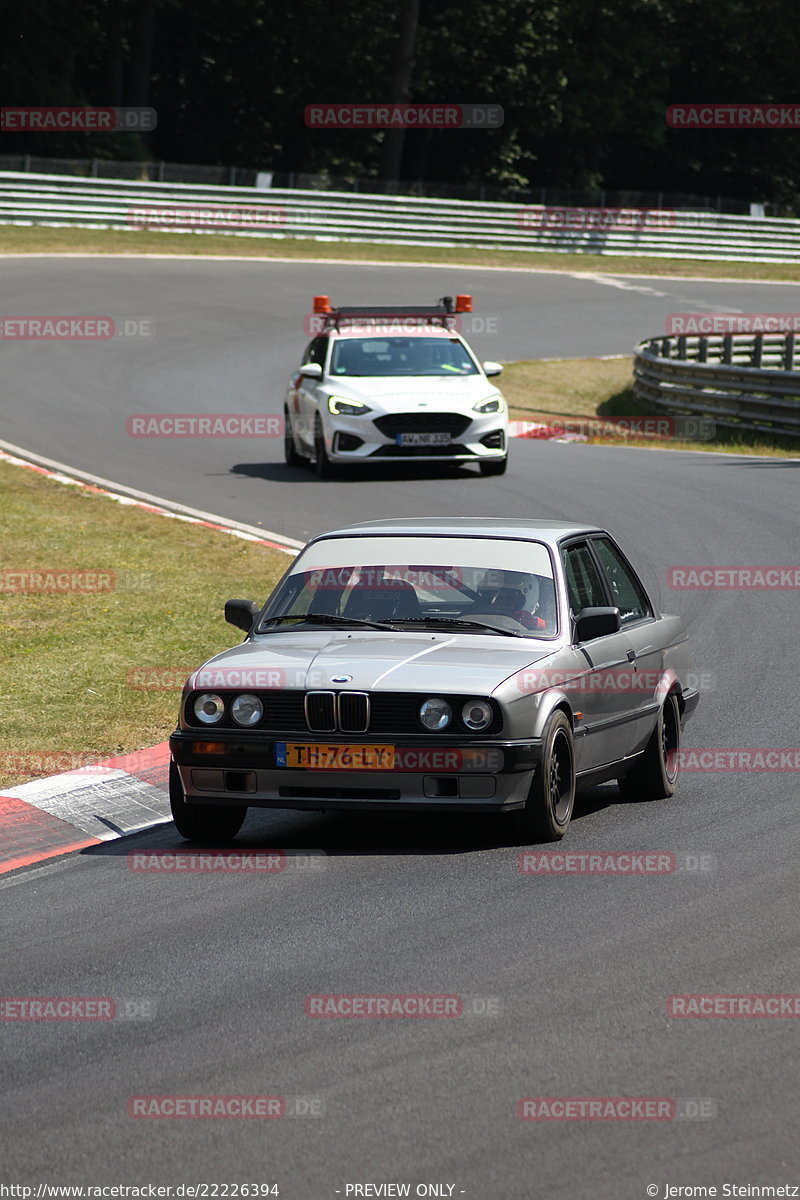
pixel 473 664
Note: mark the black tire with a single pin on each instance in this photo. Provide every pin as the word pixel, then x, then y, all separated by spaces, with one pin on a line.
pixel 322 464
pixel 548 810
pixel 206 823
pixel 494 466
pixel 291 457
pixel 655 776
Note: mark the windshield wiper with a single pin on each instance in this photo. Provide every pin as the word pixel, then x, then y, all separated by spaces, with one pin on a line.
pixel 456 621
pixel 325 619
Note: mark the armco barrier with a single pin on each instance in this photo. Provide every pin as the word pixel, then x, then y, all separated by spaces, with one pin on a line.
pixel 744 381
pixel 58 200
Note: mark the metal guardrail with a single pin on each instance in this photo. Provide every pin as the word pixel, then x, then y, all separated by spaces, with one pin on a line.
pixel 741 381
pixel 324 181
pixel 59 200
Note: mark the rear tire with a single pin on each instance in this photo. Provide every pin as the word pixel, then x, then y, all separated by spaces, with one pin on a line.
pixel 655 776
pixel 291 457
pixel 494 466
pixel 322 464
pixel 205 823
pixel 548 809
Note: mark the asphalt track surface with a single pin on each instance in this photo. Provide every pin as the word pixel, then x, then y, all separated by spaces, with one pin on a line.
pixel 581 966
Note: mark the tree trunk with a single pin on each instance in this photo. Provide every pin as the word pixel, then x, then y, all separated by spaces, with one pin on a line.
pixel 402 66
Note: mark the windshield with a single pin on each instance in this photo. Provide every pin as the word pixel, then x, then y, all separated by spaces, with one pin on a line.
pixel 371 582
pixel 401 356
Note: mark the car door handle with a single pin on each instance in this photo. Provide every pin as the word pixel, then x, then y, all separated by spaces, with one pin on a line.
pixel 631 655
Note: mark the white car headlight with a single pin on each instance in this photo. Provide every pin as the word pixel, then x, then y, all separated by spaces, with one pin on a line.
pixel 493 404
pixel 477 715
pixel 247 710
pixel 340 407
pixel 435 714
pixel 209 708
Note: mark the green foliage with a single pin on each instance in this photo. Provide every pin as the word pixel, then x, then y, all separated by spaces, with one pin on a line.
pixel 584 86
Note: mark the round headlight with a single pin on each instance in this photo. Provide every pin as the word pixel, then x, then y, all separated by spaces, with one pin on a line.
pixel 477 715
pixel 435 714
pixel 209 708
pixel 247 710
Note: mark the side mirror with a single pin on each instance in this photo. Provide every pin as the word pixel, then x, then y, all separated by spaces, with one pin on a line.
pixel 241 613
pixel 311 370
pixel 593 623
pixel 492 368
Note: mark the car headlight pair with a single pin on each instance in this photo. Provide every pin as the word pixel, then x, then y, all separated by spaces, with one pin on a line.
pixel 340 407
pixel 436 714
pixel 493 404
pixel 209 708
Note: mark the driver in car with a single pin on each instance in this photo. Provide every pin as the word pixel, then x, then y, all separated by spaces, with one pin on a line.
pixel 516 595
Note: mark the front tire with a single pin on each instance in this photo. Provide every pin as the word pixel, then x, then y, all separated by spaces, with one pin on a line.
pixel 291 457
pixel 655 776
pixel 205 823
pixel 548 809
pixel 322 464
pixel 494 466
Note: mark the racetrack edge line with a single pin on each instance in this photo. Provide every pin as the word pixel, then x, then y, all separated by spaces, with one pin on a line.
pixel 277 541
pixel 372 262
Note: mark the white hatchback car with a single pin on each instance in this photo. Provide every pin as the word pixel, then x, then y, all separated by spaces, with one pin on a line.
pixel 393 384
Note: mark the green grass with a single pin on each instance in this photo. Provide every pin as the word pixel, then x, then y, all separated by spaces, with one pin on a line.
pixel 67 659
pixel 552 391
pixel 40 239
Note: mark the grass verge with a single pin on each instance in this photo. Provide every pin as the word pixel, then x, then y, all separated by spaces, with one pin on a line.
pixel 553 391
pixel 41 239
pixel 71 658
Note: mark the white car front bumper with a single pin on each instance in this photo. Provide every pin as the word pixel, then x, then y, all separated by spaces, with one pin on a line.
pixel 384 437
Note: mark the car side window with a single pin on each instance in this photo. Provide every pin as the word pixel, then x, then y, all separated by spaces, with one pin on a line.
pixel 628 595
pixel 316 351
pixel 584 585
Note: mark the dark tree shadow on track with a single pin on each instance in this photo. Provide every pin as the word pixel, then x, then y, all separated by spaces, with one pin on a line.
pixel 766 463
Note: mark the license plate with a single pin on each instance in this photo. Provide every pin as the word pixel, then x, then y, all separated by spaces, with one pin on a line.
pixel 318 756
pixel 423 439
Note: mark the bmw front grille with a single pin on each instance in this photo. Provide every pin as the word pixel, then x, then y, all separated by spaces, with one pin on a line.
pixel 327 712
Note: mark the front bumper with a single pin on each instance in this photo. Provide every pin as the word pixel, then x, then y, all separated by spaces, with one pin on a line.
pixel 486 437
pixel 493 776
pixel 691 699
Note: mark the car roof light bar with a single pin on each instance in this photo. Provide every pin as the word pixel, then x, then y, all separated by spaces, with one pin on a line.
pixel 443 313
